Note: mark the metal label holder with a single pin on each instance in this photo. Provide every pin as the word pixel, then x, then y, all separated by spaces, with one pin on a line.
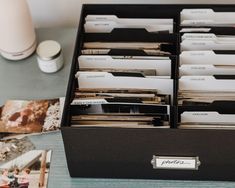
pixel 175 163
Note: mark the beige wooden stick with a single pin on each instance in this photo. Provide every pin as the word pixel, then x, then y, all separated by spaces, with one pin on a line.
pixel 43 169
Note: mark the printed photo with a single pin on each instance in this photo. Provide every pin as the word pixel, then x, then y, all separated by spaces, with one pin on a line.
pixel 29 170
pixel 19 116
pixel 12 148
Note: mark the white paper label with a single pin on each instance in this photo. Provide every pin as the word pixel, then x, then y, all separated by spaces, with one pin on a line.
pixel 87 102
pixel 184 163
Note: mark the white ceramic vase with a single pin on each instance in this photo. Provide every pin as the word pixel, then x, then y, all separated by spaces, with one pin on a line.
pixel 17 34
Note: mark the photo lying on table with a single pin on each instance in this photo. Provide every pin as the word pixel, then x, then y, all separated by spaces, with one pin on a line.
pixel 33 116
pixel 29 170
pixel 13 148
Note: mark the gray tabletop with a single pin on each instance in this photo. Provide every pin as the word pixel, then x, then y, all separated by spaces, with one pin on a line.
pixel 24 80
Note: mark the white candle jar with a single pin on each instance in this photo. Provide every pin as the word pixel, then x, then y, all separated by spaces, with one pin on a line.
pixel 49 56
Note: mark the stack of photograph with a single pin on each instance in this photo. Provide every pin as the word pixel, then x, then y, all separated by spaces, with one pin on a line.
pixel 126 70
pixel 207 70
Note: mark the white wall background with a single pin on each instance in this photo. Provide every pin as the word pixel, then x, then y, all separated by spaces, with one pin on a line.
pixel 65 13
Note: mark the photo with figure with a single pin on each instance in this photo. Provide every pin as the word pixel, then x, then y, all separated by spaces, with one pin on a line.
pixel 29 170
pixel 34 116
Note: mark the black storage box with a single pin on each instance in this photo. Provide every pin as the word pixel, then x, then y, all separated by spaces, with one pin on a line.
pixel 132 153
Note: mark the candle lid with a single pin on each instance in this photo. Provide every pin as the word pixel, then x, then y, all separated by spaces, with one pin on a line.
pixel 48 50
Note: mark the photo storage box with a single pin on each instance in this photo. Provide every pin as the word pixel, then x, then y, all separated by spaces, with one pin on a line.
pixel 145 153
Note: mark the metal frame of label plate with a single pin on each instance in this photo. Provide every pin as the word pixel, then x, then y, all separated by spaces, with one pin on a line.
pixel 175 163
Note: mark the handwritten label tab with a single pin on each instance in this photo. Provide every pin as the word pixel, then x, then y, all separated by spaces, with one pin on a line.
pixel 184 163
pixel 87 101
